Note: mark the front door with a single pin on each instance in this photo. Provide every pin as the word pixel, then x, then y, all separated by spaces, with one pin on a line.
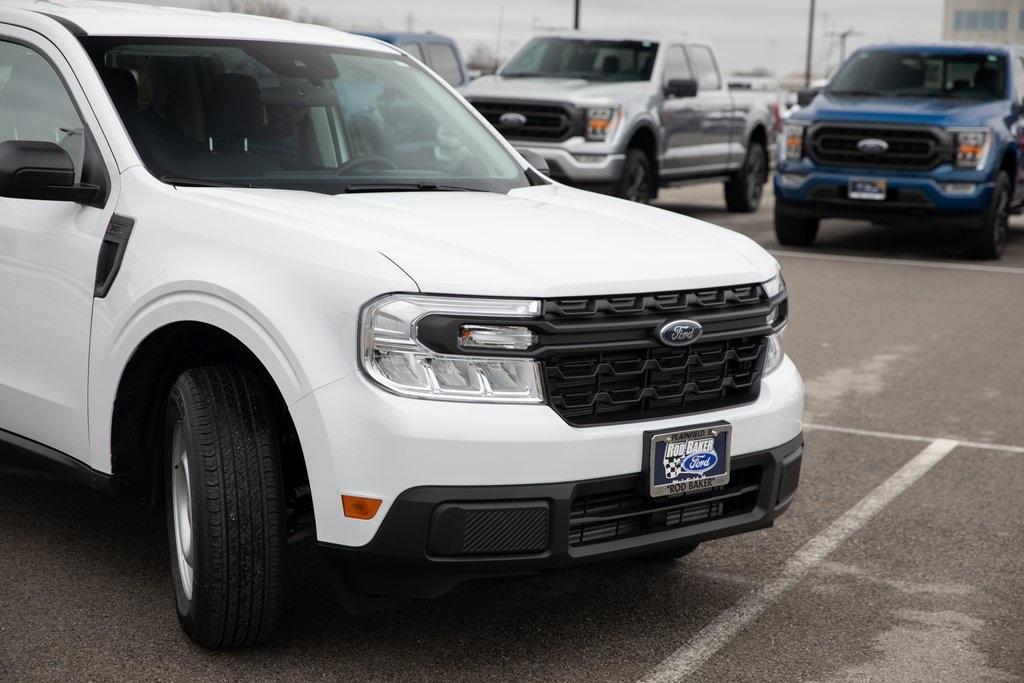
pixel 48 252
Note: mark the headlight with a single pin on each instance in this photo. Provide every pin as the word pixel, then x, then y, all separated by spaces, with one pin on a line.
pixel 775 286
pixel 773 358
pixel 601 122
pixel 792 147
pixel 972 147
pixel 393 356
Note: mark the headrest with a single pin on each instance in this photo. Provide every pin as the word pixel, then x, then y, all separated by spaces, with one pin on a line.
pixel 123 89
pixel 610 64
pixel 233 109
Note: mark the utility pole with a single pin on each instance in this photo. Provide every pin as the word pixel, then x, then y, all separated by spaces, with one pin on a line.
pixel 810 48
pixel 497 45
pixel 576 16
pixel 842 36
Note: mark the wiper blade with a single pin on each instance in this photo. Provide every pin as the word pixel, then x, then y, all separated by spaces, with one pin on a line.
pixel 184 181
pixel 406 187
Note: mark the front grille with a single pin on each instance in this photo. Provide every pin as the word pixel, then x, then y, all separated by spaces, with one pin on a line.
pixel 909 148
pixel 547 122
pixel 603 516
pixel 603 363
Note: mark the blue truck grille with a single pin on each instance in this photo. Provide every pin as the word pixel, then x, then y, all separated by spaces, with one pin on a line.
pixel 908 148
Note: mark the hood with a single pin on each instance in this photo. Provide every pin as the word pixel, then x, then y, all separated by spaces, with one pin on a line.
pixel 914 110
pixel 551 88
pixel 534 242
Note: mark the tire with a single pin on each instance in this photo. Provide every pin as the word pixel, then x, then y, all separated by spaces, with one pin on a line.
pixel 225 508
pixel 744 191
pixel 671 554
pixel 795 232
pixel 637 182
pixel 990 241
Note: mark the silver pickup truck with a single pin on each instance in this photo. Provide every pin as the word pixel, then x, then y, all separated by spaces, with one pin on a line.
pixel 627 115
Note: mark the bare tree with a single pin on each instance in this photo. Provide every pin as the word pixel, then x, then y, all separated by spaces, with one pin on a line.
pixel 482 58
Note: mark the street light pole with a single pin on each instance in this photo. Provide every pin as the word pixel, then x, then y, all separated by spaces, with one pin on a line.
pixel 576 16
pixel 810 47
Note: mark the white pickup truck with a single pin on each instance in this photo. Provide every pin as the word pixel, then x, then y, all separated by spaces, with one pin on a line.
pixel 285 282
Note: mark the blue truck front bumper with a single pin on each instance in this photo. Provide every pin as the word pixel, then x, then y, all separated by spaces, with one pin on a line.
pixel 943 195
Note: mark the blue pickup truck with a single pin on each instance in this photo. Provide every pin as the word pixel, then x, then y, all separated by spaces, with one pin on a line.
pixel 909 134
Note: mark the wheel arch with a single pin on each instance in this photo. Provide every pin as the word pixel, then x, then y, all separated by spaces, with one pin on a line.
pixel 173 334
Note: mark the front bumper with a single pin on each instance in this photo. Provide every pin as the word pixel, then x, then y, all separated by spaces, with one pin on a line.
pixel 583 166
pixel 358 439
pixel 437 538
pixel 805 190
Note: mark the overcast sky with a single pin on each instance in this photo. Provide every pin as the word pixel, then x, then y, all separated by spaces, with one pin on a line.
pixel 747 33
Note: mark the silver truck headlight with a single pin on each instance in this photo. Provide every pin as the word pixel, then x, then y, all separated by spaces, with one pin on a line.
pixel 601 122
pixel 393 357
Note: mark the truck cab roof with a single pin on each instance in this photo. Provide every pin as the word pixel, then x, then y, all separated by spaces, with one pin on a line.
pixel 97 18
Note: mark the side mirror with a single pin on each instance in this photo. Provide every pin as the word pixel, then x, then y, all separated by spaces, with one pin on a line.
pixel 805 97
pixel 535 160
pixel 40 170
pixel 681 87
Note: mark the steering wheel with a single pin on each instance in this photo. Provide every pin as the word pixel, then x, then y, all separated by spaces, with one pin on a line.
pixel 359 162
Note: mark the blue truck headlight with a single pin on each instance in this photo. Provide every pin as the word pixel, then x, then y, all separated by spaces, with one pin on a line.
pixel 792 147
pixel 972 147
pixel 393 357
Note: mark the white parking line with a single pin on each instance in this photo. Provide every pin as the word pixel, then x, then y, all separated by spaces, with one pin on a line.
pixel 977 267
pixel 715 635
pixel 913 437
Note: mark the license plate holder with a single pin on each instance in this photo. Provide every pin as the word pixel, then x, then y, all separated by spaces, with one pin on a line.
pixel 869 189
pixel 687 460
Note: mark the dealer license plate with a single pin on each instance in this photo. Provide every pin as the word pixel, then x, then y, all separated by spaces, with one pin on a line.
pixel 871 189
pixel 688 460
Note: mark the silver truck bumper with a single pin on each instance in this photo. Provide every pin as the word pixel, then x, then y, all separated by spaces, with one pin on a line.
pixel 604 169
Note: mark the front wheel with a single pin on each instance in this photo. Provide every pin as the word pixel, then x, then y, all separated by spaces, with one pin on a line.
pixel 225 510
pixel 990 241
pixel 743 192
pixel 637 181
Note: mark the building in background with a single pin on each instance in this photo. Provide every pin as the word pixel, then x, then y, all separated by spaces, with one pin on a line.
pixel 988 21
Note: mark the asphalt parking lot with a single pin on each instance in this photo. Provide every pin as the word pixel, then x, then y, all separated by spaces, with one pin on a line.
pixel 901 559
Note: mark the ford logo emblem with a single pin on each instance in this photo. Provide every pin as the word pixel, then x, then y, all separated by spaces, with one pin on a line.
pixel 699 462
pixel 512 119
pixel 872 146
pixel 681 332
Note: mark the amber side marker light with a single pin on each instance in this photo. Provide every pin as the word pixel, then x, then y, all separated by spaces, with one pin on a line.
pixel 358 507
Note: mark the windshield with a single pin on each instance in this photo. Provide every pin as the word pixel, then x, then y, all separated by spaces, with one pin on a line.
pixel 592 60
pixel 881 73
pixel 289 116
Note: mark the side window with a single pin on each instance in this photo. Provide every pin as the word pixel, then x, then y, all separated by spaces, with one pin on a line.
pixel 415 49
pixel 676 64
pixel 444 62
pixel 34 105
pixel 704 66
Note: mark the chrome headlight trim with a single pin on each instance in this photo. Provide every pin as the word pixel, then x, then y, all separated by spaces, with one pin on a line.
pixel 392 356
